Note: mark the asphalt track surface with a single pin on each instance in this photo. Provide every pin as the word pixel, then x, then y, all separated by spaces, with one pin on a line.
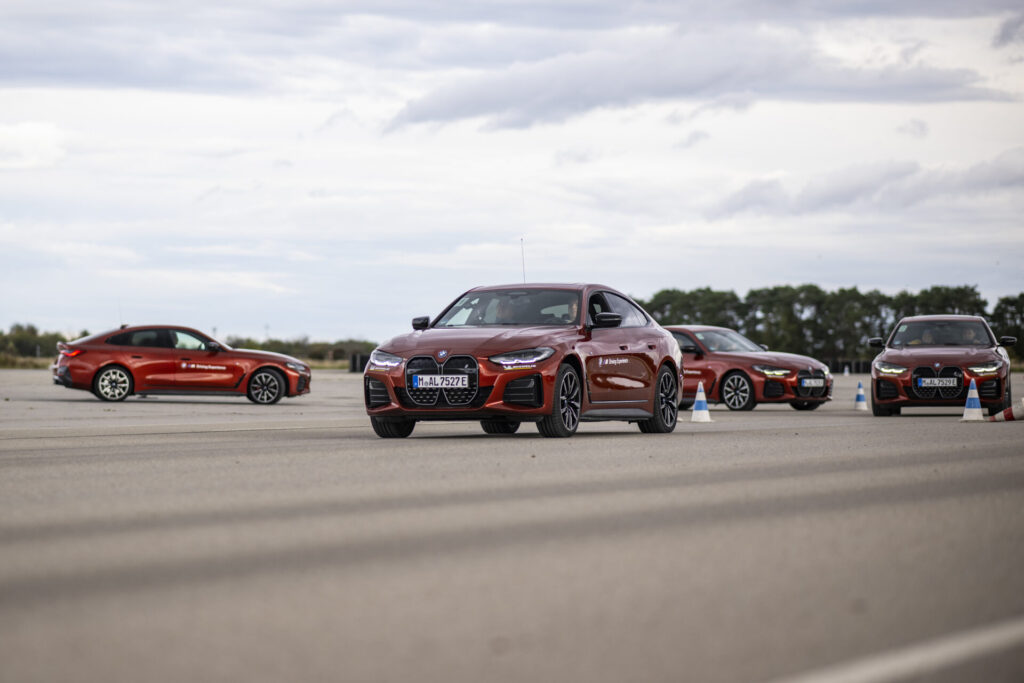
pixel 171 539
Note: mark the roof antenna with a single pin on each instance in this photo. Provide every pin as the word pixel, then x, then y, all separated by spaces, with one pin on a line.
pixel 522 250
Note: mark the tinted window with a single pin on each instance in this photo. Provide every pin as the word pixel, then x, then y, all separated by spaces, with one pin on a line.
pixel 631 315
pixel 726 340
pixel 150 338
pixel 684 340
pixel 942 333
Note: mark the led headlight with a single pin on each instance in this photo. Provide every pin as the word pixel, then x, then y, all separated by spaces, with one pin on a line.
pixel 771 370
pixel 990 368
pixel 524 357
pixel 889 368
pixel 383 359
pixel 297 367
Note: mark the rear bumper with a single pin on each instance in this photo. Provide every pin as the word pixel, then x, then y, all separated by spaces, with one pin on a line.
pixel 61 375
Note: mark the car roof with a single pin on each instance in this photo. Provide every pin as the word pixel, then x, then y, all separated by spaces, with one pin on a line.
pixel 940 316
pixel 537 285
pixel 697 328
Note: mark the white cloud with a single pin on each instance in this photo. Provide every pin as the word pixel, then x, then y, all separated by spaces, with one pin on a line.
pixel 30 145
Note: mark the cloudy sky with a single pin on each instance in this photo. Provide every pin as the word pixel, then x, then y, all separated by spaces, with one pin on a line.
pixel 332 169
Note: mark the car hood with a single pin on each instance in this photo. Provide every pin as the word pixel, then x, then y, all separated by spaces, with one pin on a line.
pixel 477 341
pixel 793 361
pixel 944 355
pixel 269 356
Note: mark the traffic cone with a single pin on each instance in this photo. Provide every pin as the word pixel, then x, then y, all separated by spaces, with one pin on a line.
pixel 862 401
pixel 1010 414
pixel 846 370
pixel 700 411
pixel 972 410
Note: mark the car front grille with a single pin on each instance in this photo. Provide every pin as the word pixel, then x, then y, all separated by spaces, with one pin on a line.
pixel 943 393
pixel 456 365
pixel 805 392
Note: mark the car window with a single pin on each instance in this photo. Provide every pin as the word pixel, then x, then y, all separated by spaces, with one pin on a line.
pixel 187 341
pixel 513 307
pixel 631 315
pixel 727 340
pixel 942 333
pixel 684 340
pixel 149 338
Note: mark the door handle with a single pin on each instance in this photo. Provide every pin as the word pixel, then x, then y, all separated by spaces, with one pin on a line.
pixel 136 356
pixel 623 346
pixel 184 359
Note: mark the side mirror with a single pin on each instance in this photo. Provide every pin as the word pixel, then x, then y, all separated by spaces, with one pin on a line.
pixel 876 342
pixel 214 347
pixel 421 323
pixel 1007 341
pixel 607 319
pixel 689 348
pixel 763 346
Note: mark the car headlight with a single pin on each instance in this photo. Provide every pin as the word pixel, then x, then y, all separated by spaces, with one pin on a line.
pixel 524 357
pixel 771 370
pixel 889 368
pixel 297 367
pixel 383 359
pixel 989 368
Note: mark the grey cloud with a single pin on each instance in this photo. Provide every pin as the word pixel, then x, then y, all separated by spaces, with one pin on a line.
pixel 1011 31
pixel 891 186
pixel 692 139
pixel 915 128
pixel 704 66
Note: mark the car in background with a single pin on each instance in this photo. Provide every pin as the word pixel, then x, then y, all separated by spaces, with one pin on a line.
pixel 930 360
pixel 552 354
pixel 739 373
pixel 165 359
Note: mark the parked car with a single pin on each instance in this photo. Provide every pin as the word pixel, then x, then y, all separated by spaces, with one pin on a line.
pixel 741 374
pixel 551 354
pixel 164 359
pixel 930 360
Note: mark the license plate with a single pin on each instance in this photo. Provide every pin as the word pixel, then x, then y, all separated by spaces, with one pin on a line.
pixel 813 382
pixel 937 382
pixel 440 381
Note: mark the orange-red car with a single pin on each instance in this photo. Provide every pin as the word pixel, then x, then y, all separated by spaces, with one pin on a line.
pixel 741 374
pixel 163 359
pixel 930 360
pixel 552 354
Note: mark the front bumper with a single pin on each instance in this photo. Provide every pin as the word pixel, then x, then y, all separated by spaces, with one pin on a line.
pixel 791 388
pixel 905 390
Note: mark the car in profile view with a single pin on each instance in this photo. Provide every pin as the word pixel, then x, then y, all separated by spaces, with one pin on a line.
pixel 552 354
pixel 930 360
pixel 167 359
pixel 739 373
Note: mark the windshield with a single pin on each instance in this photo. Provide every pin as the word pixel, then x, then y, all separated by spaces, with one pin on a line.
pixel 942 333
pixel 513 307
pixel 726 340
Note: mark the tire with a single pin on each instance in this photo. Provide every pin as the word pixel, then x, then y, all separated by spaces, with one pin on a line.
pixel 113 383
pixel 666 411
pixel 737 392
pixel 392 429
pixel 565 405
pixel 805 405
pixel 266 386
pixel 1007 401
pixel 499 426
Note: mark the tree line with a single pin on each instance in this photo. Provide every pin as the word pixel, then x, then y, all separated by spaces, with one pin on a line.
pixel 831 326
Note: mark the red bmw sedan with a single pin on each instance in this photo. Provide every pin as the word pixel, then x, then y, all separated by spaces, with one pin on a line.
pixel 551 354
pixel 930 360
pixel 741 374
pixel 158 359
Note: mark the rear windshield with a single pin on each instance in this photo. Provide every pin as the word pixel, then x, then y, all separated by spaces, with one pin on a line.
pixel 942 333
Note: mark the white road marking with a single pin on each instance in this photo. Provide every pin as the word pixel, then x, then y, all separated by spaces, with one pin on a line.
pixel 924 658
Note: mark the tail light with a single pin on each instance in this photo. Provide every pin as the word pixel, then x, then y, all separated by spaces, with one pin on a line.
pixel 71 353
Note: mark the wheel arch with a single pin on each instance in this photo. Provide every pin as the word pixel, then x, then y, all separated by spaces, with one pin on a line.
pixel 275 368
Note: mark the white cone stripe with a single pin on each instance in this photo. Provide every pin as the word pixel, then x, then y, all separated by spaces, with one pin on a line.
pixel 700 406
pixel 972 410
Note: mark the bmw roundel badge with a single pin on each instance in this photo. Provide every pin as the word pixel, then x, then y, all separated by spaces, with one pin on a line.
pixel 442 353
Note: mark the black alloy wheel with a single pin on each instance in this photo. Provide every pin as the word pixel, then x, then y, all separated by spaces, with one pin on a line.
pixel 499 426
pixel 266 386
pixel 113 383
pixel 392 429
pixel 738 392
pixel 565 409
pixel 666 410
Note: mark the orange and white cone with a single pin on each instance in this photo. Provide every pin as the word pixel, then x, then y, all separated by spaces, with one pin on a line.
pixel 700 406
pixel 972 409
pixel 862 401
pixel 1010 414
